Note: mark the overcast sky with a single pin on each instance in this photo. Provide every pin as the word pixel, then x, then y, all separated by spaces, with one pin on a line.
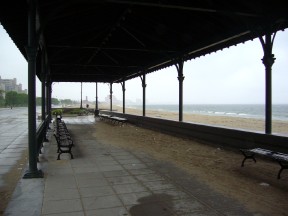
pixel 234 75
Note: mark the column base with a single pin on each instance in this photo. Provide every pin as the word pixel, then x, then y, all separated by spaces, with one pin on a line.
pixel 33 174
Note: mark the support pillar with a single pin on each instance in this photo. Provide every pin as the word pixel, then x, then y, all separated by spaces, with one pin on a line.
pixel 43 93
pixel 143 79
pixel 96 112
pixel 268 60
pixel 43 85
pixel 81 98
pixel 179 67
pixel 96 105
pixel 123 92
pixel 47 97
pixel 111 93
pixel 48 101
pixel 43 101
pixel 31 50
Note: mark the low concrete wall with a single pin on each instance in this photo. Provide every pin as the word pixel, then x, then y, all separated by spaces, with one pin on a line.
pixel 226 137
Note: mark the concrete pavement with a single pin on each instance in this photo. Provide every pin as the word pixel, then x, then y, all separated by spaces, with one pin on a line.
pixel 108 180
pixel 14 136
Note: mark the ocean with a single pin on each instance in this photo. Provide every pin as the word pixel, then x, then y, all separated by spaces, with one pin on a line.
pixel 257 111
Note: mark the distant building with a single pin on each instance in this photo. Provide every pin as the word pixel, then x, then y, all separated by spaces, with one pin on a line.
pixel 86 101
pixel 114 99
pixel 11 85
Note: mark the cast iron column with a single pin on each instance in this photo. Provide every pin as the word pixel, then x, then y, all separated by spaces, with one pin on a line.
pixel 96 105
pixel 43 80
pixel 111 92
pixel 43 115
pixel 123 92
pixel 81 97
pixel 31 50
pixel 43 98
pixel 49 94
pixel 96 111
pixel 179 67
pixel 143 79
pixel 268 60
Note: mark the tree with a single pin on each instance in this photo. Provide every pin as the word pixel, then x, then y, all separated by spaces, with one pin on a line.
pixel 15 99
pixel 2 100
pixel 67 102
pixel 11 98
pixel 21 99
pixel 55 101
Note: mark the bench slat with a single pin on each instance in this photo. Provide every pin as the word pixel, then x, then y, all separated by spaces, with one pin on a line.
pixel 114 119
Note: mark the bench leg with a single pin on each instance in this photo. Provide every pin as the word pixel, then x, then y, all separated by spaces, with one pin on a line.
pixel 70 152
pixel 247 156
pixel 279 173
pixel 58 158
pixel 283 166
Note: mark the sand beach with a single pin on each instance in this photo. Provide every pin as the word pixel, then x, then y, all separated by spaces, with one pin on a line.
pixel 258 125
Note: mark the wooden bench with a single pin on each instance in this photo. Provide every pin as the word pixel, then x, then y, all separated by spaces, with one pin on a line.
pixel 63 139
pixel 281 158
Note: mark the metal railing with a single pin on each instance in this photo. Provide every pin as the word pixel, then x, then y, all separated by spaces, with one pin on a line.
pixel 41 133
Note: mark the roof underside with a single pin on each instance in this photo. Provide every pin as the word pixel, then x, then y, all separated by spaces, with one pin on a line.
pixel 116 40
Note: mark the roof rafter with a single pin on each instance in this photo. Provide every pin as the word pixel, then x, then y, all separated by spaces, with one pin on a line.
pixel 189 8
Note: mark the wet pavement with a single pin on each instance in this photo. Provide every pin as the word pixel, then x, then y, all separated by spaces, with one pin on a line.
pixel 106 180
pixel 14 138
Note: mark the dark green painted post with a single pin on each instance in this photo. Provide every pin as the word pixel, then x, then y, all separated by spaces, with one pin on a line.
pixel 81 97
pixel 144 85
pixel 43 101
pixel 48 99
pixel 43 93
pixel 179 67
pixel 268 60
pixel 31 50
pixel 111 93
pixel 96 102
pixel 96 111
pixel 123 92
pixel 43 82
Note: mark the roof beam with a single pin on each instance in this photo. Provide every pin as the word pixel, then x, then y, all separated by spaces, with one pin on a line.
pixel 85 74
pixel 111 48
pixel 182 7
pixel 96 65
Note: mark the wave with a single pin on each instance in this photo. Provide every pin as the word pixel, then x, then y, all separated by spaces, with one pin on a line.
pixel 234 110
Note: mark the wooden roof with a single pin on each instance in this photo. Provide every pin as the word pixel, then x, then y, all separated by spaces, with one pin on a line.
pixel 116 40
